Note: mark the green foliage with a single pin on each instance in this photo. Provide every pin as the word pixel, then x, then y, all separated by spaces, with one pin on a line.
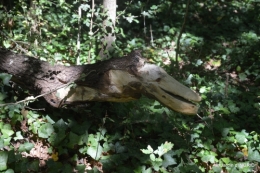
pixel 218 58
pixel 156 161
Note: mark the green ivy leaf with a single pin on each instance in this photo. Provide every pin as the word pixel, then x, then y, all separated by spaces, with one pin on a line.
pixel 148 151
pixel 57 138
pixel 131 18
pixel 80 168
pixel 203 89
pixel 60 125
pixel 32 116
pixel 253 155
pixel 150 148
pixel 157 164
pixel 188 80
pixel 1 143
pixel 220 107
pixel 7 141
pixel 9 171
pixel 168 159
pixel 7 133
pixel 232 106
pixel 242 76
pixel 18 136
pixel 2 96
pixel 142 169
pixel 148 170
pixel 119 148
pixel 154 7
pixel 7 44
pixel 208 158
pixel 145 151
pixel 5 78
pixel 226 160
pixel 216 168
pixel 45 130
pixel 199 62
pixel 241 138
pixel 74 139
pixel 57 57
pixel 49 119
pixel 3 160
pixel 33 166
pixel 164 148
pixel 225 132
pixel 25 147
pixel 95 152
pixel 152 157
pixel 85 7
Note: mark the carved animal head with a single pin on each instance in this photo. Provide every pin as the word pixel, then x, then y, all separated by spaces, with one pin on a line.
pixel 158 84
pixel 122 85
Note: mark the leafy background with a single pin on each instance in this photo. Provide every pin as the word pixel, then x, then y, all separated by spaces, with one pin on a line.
pixel 218 57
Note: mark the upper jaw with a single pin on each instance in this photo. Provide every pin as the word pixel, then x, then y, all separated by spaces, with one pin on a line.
pixel 173 101
pixel 180 104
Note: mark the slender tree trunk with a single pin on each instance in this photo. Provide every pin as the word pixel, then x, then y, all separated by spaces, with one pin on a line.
pixel 109 25
pixel 79 34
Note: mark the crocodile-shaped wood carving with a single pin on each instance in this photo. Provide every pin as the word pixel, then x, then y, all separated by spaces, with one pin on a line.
pixel 114 80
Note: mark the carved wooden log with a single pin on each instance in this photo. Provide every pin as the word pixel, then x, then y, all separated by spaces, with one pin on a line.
pixel 116 80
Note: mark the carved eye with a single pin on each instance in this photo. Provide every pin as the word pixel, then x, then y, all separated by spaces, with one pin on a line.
pixel 158 80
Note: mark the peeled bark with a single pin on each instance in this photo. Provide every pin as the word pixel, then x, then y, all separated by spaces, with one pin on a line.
pixel 117 79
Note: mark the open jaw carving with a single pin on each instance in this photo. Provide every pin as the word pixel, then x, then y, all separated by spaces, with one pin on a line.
pixel 169 91
pixel 122 86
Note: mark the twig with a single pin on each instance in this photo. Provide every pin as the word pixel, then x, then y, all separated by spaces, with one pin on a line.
pixel 34 109
pixel 181 31
pixel 151 32
pixel 226 85
pixel 144 27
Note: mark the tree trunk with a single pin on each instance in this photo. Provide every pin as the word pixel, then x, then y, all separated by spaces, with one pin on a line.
pixel 43 77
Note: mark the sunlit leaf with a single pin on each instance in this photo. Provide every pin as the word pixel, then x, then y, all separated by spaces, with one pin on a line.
pixel 241 138
pixel 45 130
pixel 208 158
pixel 7 133
pixel 152 157
pixel 18 136
pixel 95 152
